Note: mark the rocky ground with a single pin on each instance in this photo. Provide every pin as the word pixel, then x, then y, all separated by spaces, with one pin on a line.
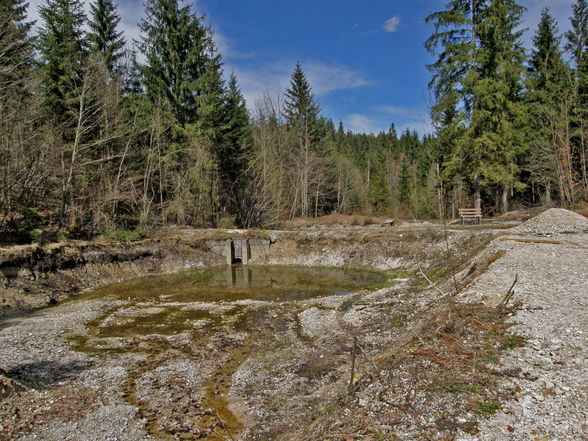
pixel 430 364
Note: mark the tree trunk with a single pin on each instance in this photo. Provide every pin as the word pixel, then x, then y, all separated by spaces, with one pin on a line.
pixel 477 194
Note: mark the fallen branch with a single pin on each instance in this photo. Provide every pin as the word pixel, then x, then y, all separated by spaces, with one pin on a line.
pixel 418 336
pixel 352 378
pixel 430 282
pixel 553 242
pixel 508 295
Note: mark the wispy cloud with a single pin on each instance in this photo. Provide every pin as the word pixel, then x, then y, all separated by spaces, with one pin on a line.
pixel 360 124
pixel 413 118
pixel 391 25
pixel 405 112
pixel 323 77
pixel 381 118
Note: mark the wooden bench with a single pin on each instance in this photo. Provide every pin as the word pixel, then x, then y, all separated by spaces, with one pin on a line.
pixel 475 213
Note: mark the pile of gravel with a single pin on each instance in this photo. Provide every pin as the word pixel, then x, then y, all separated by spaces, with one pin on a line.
pixel 554 221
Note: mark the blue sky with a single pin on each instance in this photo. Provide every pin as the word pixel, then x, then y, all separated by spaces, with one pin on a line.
pixel 365 59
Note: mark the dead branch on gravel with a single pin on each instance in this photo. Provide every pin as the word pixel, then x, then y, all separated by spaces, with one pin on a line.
pixel 432 284
pixel 352 377
pixel 508 295
pixel 552 242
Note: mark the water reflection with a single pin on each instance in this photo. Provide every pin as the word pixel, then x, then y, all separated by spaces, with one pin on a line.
pixel 237 282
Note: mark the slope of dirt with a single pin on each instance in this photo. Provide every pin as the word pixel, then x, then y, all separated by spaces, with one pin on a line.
pixel 34 276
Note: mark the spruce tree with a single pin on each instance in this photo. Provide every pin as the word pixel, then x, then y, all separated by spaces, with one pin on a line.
pixel 300 107
pixel 233 150
pixel 454 43
pixel 301 112
pixel 63 49
pixel 476 84
pixel 548 97
pixel 491 150
pixel 181 65
pixel 16 47
pixel 577 46
pixel 546 65
pixel 105 37
pixel 577 37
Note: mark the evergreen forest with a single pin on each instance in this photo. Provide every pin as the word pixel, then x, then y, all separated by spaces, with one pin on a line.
pixel 96 138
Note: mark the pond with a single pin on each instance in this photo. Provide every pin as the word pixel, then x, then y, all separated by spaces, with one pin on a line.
pixel 237 282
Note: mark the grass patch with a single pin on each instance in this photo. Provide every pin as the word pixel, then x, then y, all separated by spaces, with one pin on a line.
pixel 399 321
pixel 511 342
pixel 487 406
pixel 461 388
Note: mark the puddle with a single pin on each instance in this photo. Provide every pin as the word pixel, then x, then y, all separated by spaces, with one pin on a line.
pixel 229 284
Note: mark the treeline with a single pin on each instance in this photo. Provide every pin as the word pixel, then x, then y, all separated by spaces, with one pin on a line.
pixel 95 138
pixel 304 166
pixel 510 128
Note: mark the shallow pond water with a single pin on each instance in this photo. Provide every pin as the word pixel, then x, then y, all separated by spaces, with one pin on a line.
pixel 232 283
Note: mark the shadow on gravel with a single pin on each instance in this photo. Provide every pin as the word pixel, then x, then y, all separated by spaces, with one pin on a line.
pixel 43 374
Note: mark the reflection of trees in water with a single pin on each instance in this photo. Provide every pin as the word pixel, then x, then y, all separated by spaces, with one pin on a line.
pixel 237 282
pixel 305 279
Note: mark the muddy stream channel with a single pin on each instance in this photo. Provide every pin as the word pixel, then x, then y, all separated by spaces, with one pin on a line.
pixel 182 339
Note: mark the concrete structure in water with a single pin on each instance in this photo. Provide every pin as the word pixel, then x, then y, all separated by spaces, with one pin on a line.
pixel 230 251
pixel 244 250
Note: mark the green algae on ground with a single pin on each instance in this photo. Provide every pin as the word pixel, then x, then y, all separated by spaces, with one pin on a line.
pixel 201 312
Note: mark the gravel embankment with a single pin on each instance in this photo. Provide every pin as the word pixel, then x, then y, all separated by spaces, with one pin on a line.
pixel 552 291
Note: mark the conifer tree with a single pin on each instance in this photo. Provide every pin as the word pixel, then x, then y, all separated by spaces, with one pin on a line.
pixel 455 44
pixel 490 152
pixel 63 49
pixel 577 37
pixel 476 84
pixel 546 64
pixel 577 46
pixel 301 112
pixel 105 36
pixel 16 47
pixel 300 107
pixel 233 150
pixel 548 96
pixel 181 65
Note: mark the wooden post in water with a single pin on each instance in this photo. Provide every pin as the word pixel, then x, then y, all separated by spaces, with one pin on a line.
pixel 245 251
pixel 230 251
